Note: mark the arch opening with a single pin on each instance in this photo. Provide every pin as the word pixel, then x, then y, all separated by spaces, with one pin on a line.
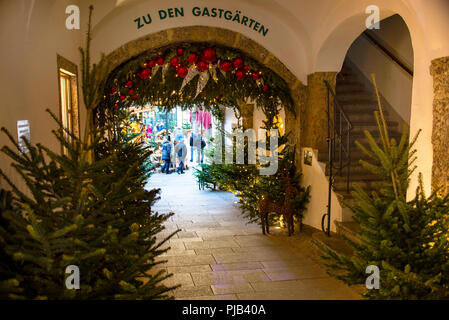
pixel 388 54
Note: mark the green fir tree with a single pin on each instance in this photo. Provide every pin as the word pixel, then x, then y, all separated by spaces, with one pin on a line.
pixel 87 207
pixel 407 240
pixel 245 181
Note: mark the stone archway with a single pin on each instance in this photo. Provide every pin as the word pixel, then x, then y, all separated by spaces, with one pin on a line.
pixel 226 38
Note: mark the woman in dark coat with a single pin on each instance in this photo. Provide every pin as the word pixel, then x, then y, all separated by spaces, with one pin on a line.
pixel 166 152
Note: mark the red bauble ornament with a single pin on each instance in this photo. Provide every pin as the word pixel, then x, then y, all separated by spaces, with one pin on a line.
pixel 226 66
pixel 179 51
pixel 246 68
pixel 122 98
pixel 116 106
pixel 151 63
pixel 192 58
pixel 136 96
pixel 144 73
pixel 174 62
pixel 238 63
pixel 160 61
pixel 129 84
pixel 202 66
pixel 209 55
pixel 265 88
pixel 256 75
pixel 182 71
pixel 113 90
pixel 240 75
pixel 131 91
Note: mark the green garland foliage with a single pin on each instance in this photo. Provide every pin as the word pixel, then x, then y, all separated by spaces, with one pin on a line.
pixel 245 181
pixel 133 83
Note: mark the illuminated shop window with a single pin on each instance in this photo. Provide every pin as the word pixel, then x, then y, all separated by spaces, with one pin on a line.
pixel 68 90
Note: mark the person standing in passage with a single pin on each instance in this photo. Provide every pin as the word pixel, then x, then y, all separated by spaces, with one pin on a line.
pixel 181 153
pixel 166 152
pixel 197 146
pixel 192 136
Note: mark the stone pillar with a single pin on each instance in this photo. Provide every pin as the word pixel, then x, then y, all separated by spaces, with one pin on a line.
pixel 293 121
pixel 247 113
pixel 440 130
pixel 314 117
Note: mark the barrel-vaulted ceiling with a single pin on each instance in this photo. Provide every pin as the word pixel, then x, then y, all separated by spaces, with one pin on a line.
pixel 305 35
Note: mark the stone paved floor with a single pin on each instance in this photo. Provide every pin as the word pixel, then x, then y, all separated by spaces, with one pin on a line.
pixel 218 256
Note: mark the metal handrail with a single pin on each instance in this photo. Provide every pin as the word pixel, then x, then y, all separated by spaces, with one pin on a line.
pixel 340 135
pixel 339 141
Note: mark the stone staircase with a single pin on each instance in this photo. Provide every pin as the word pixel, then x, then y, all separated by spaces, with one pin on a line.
pixel 359 102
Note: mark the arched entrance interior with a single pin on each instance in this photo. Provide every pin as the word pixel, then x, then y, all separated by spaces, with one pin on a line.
pixel 388 54
pixel 226 38
pixel 191 75
pixel 188 74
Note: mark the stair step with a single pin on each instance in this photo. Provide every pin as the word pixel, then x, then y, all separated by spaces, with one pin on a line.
pixel 341 86
pixel 356 155
pixel 348 229
pixel 371 123
pixel 360 116
pixel 372 127
pixel 348 201
pixel 335 242
pixel 359 106
pixel 356 170
pixel 366 184
pixel 359 176
pixel 360 135
pixel 361 95
pixel 347 77
pixel 346 80
pixel 351 90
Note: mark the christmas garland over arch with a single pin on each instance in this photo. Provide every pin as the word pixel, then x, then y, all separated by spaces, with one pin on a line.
pixel 188 74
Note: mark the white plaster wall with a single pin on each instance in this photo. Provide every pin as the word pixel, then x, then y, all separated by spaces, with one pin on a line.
pixel 395 34
pixel 314 176
pixel 393 82
pixel 31 34
pixel 428 24
pixel 308 36
pixel 118 27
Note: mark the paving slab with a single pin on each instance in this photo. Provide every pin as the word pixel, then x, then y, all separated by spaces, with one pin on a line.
pixel 227 288
pixel 196 291
pixel 229 277
pixel 237 266
pixel 217 255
